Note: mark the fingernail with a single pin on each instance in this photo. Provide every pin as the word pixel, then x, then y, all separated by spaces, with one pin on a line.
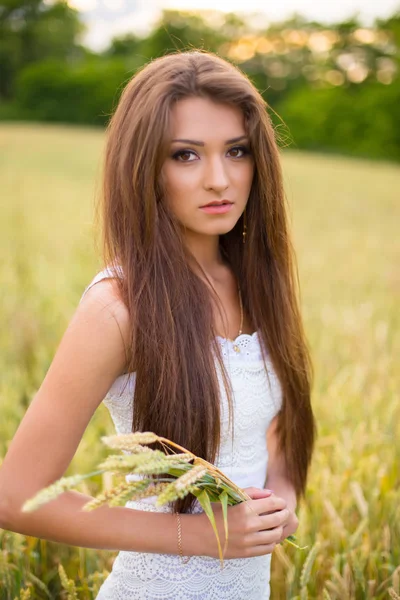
pixel 270 491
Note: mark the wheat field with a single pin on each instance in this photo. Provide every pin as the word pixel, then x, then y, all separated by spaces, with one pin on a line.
pixel 345 215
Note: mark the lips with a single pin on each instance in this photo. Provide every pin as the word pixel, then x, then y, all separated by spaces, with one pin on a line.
pixel 221 203
pixel 217 208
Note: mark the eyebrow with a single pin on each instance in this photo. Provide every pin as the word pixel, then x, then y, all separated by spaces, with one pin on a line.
pixel 198 143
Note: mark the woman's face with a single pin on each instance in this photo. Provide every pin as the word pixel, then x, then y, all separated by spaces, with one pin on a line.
pixel 208 161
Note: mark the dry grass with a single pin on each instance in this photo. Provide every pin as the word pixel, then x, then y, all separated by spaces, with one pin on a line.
pixel 345 218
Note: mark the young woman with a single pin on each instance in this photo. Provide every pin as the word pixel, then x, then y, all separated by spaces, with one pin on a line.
pixel 192 330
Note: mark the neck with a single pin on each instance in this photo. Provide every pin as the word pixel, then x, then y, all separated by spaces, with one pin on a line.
pixel 205 249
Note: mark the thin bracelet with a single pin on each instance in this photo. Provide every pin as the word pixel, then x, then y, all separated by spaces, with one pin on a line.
pixel 178 519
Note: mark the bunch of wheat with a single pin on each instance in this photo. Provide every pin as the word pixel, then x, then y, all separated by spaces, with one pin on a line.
pixel 184 473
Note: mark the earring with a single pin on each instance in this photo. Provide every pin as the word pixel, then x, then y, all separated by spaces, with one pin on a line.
pixel 244 226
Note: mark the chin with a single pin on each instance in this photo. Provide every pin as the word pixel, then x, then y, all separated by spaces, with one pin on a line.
pixel 222 227
pixel 215 231
pixel 221 230
pixel 214 228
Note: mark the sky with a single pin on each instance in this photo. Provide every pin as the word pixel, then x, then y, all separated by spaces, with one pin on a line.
pixel 108 18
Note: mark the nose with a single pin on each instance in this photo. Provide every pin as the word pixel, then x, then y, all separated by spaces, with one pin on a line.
pixel 216 177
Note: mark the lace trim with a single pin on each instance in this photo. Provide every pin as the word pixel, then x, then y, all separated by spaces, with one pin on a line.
pixel 243 339
pixel 147 576
pixel 245 347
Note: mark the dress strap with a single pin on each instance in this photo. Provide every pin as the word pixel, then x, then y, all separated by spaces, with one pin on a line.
pixel 107 273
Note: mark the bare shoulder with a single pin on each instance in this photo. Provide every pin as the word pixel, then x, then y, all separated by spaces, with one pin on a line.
pixel 103 303
pixel 92 352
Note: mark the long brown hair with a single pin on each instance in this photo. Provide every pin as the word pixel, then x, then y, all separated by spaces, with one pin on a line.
pixel 172 330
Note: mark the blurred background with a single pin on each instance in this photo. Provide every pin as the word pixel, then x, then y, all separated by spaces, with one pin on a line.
pixel 68 61
pixel 330 73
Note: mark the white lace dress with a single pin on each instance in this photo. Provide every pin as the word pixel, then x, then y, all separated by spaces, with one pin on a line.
pixel 257 398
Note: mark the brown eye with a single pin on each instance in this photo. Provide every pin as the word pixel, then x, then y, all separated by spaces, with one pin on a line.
pixel 238 151
pixel 184 156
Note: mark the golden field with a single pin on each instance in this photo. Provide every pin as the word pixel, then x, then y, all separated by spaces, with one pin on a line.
pixel 345 216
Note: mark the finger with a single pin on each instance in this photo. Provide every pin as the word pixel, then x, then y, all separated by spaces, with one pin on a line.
pixel 264 538
pixel 261 550
pixel 276 519
pixel 267 505
pixel 257 493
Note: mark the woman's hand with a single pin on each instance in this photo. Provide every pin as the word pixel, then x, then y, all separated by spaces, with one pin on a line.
pixel 254 526
pixel 291 525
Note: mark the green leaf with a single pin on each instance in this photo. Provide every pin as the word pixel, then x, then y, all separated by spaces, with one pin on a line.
pixel 223 498
pixel 212 496
pixel 291 539
pixel 204 500
pixel 178 471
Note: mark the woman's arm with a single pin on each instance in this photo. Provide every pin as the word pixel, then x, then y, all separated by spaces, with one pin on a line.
pixel 277 480
pixel 89 358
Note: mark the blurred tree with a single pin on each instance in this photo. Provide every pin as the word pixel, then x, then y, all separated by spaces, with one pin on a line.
pixel 179 30
pixel 362 120
pixel 336 86
pixel 175 30
pixel 392 24
pixel 125 45
pixel 85 93
pixel 128 49
pixel 31 31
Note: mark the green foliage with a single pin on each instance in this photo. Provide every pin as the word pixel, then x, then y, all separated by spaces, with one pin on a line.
pixel 361 120
pixel 336 87
pixel 32 31
pixel 181 31
pixel 87 93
